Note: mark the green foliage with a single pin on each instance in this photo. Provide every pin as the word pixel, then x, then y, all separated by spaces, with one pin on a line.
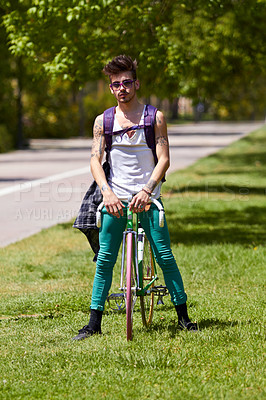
pixel 95 103
pixel 208 50
pixel 75 42
pixel 6 140
pixel 53 108
pixel 7 99
pixel 193 47
pixel 218 46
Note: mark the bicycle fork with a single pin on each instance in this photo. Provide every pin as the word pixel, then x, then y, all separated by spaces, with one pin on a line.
pixel 129 235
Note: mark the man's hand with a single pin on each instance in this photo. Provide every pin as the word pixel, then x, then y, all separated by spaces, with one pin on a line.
pixel 112 204
pixel 139 202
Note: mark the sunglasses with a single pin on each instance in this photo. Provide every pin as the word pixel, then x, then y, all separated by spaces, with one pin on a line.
pixel 127 84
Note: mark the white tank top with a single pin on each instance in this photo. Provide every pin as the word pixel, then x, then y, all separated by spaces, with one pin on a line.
pixel 131 162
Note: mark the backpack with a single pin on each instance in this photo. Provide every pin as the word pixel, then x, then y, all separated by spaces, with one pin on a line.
pixel 149 121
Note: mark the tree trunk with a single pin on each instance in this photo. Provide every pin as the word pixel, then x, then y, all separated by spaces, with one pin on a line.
pixel 81 113
pixel 174 107
pixel 20 136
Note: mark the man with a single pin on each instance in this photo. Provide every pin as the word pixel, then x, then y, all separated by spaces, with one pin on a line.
pixel 133 172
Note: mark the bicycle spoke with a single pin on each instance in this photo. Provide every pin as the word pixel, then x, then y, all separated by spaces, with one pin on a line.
pixel 147 301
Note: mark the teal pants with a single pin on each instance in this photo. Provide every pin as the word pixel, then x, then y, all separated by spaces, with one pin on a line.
pixel 110 238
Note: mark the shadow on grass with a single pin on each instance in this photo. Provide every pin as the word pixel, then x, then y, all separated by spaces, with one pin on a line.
pixel 174 330
pixel 248 158
pixel 243 226
pixel 216 323
pixel 31 316
pixel 206 187
pixel 246 226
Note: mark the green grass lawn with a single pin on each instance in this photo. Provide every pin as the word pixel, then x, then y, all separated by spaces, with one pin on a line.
pixel 216 213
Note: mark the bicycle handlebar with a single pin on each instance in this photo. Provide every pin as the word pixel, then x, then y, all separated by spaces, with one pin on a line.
pixel 154 201
pixel 161 212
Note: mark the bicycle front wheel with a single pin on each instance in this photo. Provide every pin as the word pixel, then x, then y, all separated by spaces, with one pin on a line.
pixel 131 287
pixel 147 301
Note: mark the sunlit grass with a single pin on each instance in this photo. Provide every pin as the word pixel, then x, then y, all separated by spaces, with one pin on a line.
pixel 218 238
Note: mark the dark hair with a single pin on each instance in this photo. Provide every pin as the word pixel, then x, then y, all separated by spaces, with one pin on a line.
pixel 119 64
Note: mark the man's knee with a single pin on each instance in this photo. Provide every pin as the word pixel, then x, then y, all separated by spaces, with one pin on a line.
pixel 166 260
pixel 105 261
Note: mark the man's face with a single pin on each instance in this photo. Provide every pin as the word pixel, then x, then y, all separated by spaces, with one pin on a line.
pixel 124 94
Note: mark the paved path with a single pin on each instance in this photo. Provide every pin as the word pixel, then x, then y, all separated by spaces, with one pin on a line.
pixel 44 185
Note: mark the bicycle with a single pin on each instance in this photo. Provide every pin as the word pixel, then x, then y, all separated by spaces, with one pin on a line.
pixel 139 277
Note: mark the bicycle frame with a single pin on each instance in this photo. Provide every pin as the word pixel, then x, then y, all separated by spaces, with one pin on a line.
pixel 132 275
pixel 138 254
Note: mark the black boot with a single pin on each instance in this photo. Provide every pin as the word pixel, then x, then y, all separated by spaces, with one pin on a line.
pixel 93 327
pixel 183 318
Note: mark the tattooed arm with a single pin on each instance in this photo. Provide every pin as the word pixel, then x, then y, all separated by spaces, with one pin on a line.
pixel 97 151
pixel 162 151
pixel 112 203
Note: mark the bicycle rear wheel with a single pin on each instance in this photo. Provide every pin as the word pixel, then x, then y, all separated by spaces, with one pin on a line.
pixel 131 286
pixel 147 301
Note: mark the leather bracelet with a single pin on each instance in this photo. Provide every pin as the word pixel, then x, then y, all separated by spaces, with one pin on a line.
pixel 146 191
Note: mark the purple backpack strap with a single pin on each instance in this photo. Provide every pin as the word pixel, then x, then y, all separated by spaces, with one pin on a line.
pixel 149 122
pixel 108 122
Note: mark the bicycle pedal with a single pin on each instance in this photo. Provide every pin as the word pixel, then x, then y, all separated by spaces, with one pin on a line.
pixel 115 295
pixel 116 301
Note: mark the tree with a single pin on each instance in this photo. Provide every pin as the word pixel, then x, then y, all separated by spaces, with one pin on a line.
pixel 209 50
pixel 8 104
pixel 76 41
pixel 219 46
